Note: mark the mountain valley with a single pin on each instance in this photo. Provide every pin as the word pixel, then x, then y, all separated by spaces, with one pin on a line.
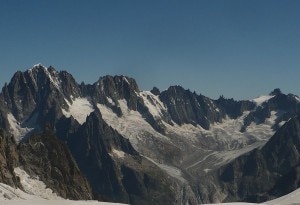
pixel 110 141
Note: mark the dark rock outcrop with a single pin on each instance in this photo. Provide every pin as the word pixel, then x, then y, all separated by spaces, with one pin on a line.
pixel 8 159
pixel 48 159
pixel 44 156
pixel 115 88
pixel 234 108
pixel 187 107
pixel 155 91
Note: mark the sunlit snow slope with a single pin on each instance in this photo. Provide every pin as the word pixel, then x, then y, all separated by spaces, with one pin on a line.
pixel 12 196
pixel 289 199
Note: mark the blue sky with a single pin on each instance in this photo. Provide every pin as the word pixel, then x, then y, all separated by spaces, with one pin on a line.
pixel 237 48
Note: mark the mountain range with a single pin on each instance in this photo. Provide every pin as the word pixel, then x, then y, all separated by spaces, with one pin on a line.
pixel 110 141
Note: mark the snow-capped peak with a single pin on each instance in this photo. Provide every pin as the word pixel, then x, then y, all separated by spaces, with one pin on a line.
pixel 38 65
pixel 50 73
pixel 261 99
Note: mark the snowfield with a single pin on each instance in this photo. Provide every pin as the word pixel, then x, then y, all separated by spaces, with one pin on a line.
pixel 292 198
pixel 80 108
pixel 34 186
pixel 127 124
pixel 54 202
pixel 289 199
pixel 12 196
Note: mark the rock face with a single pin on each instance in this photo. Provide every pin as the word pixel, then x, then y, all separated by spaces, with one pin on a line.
pixel 91 147
pixel 44 156
pixel 36 96
pixel 234 108
pixel 116 88
pixel 187 107
pixel 266 173
pixel 8 159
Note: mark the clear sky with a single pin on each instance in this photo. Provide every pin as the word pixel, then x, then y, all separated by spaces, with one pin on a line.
pixel 237 48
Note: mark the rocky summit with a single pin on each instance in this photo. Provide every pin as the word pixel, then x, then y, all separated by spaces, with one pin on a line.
pixel 110 141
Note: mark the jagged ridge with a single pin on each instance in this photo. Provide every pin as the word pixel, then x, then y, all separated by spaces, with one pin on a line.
pixel 114 130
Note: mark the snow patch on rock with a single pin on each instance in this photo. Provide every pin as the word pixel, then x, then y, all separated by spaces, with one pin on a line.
pixel 264 98
pixel 34 186
pixel 9 193
pixel 153 103
pixel 131 124
pixel 110 101
pixel 117 153
pixel 80 108
pixel 16 129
